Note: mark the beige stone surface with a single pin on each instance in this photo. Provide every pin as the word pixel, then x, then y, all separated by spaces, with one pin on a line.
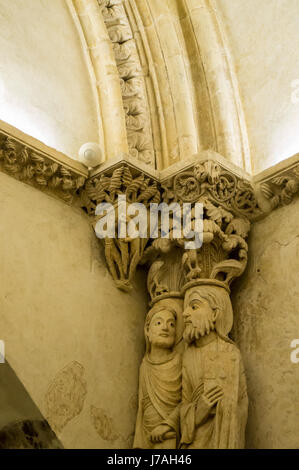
pixel 103 73
pixel 171 83
pixel 214 407
pixel 265 303
pixel 45 89
pixel 160 382
pixel 58 307
pixel 263 39
pixel 191 83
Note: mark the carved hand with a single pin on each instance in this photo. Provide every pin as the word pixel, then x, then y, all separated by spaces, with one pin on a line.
pixel 206 402
pixel 158 434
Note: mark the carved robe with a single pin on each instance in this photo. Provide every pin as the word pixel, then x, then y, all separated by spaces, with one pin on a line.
pixel 160 386
pixel 218 362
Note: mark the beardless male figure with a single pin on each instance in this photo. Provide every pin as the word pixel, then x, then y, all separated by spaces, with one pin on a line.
pixel 213 414
pixel 157 424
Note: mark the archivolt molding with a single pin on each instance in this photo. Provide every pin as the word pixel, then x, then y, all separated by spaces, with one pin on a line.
pixel 134 94
pixel 221 81
pixel 104 75
pixel 165 79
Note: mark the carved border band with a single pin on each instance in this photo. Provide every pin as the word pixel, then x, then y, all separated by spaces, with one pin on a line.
pixel 28 163
pixel 278 188
pixel 231 202
pixel 135 102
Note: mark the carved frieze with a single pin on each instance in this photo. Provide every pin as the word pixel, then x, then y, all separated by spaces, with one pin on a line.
pixel 35 168
pixel 209 180
pixel 280 189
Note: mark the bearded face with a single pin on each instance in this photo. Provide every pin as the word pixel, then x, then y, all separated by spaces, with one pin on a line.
pixel 199 317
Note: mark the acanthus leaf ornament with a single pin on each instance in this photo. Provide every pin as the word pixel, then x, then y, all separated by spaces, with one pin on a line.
pixel 132 80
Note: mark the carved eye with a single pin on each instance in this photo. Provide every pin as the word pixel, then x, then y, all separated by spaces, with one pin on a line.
pixel 196 305
pixel 172 324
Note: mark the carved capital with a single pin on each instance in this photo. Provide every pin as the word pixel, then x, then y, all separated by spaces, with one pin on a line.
pixel 121 178
pixel 209 180
pixel 229 206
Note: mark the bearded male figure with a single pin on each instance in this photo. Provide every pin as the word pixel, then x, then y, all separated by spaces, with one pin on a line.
pixel 157 425
pixel 213 414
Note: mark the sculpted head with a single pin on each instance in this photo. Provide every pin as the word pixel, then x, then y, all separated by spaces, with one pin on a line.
pixel 206 308
pixel 160 328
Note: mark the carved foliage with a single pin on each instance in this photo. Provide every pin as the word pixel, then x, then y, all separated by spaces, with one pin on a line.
pixel 131 79
pixel 220 186
pixel 34 168
pixel 137 187
pixel 222 256
pixel 281 189
pixel 122 254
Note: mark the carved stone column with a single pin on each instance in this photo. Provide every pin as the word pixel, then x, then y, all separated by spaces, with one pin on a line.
pixel 213 405
pixel 190 314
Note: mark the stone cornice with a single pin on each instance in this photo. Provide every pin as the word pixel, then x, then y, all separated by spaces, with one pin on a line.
pixel 278 185
pixel 231 198
pixel 34 163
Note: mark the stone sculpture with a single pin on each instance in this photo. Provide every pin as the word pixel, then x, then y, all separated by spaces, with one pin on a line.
pixel 214 406
pixel 157 425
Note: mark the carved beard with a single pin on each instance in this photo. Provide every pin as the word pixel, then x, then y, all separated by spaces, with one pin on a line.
pixel 205 325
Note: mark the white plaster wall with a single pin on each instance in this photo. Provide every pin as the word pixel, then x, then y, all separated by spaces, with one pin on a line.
pixel 264 41
pixel 59 308
pixel 45 88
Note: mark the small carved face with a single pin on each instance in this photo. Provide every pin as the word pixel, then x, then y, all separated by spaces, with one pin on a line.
pixel 161 330
pixel 199 317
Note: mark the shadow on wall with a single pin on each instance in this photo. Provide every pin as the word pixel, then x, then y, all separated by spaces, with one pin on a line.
pixel 22 426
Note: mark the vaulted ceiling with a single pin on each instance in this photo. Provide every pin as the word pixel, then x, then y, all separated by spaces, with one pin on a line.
pixel 159 80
